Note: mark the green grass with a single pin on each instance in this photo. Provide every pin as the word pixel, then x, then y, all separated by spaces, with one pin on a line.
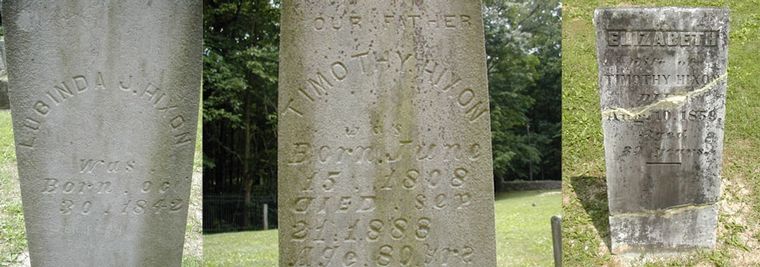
pixel 585 226
pixel 12 231
pixel 253 248
pixel 523 235
pixel 523 229
pixel 192 254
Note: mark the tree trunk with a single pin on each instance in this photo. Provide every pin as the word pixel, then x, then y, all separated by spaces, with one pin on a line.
pixel 247 179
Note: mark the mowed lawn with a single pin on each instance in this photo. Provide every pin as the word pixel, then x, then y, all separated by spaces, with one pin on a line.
pixel 585 226
pixel 523 235
pixel 12 233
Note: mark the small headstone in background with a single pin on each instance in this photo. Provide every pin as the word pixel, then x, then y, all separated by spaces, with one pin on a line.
pixel 662 78
pixel 4 103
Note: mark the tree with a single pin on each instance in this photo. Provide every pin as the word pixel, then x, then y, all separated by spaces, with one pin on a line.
pixel 524 72
pixel 240 89
pixel 240 95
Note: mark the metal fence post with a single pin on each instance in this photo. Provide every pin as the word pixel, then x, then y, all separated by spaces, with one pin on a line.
pixel 266 216
pixel 557 239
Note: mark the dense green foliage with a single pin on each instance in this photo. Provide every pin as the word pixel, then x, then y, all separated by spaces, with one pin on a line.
pixel 240 85
pixel 524 72
pixel 240 75
pixel 240 60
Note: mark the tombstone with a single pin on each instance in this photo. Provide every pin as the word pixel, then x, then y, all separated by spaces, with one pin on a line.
pixel 384 135
pixel 662 78
pixel 104 104
pixel 4 103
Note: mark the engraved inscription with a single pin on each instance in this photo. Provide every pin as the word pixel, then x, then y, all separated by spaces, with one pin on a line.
pixel 78 85
pixel 99 179
pixel 448 21
pixel 381 137
pixel 306 153
pixel 662 92
pixel 662 75
pixel 654 38
pixel 377 63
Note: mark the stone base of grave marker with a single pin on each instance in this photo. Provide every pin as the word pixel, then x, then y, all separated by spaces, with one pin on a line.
pixel 677 229
pixel 662 78
pixel 4 101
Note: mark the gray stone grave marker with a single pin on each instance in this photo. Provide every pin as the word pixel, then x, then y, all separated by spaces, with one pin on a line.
pixel 662 78
pixel 4 102
pixel 104 105
pixel 384 135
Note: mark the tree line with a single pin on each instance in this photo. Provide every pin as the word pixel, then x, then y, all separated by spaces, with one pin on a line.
pixel 241 40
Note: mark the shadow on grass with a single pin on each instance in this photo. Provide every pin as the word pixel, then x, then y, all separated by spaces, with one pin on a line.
pixel 592 193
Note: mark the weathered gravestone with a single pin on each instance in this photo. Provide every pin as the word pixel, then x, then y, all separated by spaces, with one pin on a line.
pixel 662 75
pixel 104 104
pixel 384 138
pixel 4 103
